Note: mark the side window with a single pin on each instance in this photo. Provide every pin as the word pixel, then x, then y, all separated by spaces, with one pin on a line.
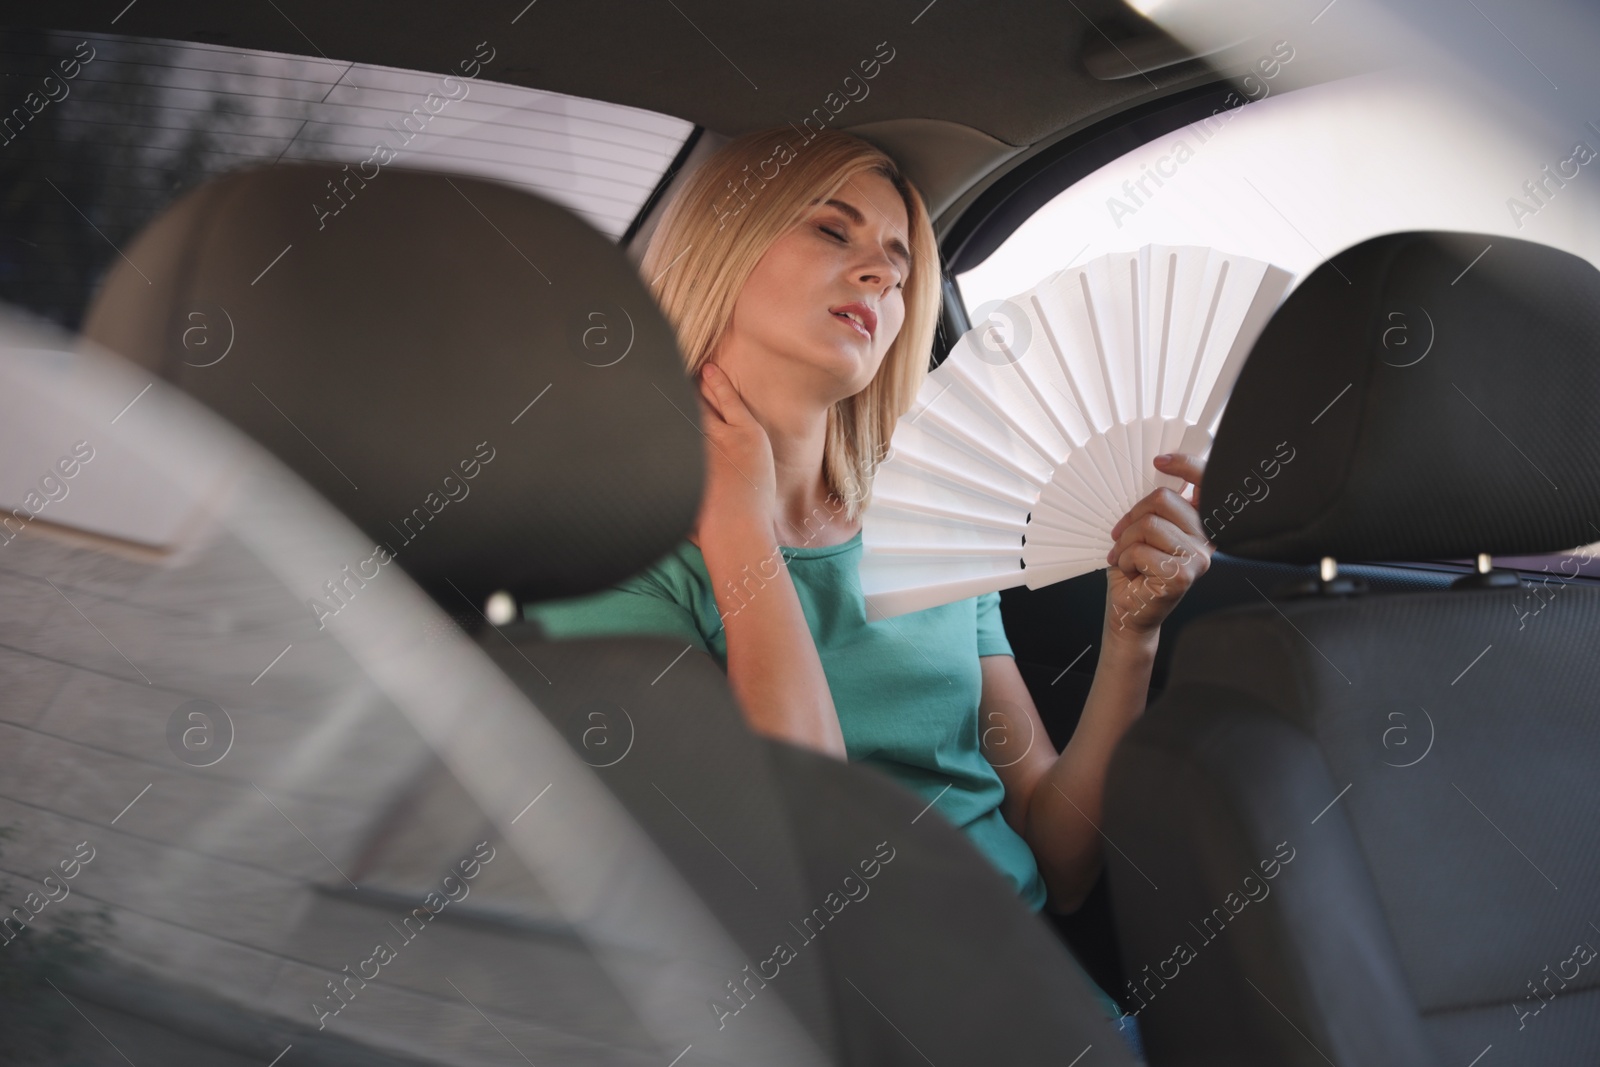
pixel 1292 179
pixel 99 132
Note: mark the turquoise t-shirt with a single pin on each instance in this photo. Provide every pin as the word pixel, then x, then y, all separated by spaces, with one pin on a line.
pixel 906 688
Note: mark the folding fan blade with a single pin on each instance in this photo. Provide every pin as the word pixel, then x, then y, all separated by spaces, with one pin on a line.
pixel 896 587
pixel 1039 577
pixel 908 533
pixel 922 448
pixel 1039 557
pixel 972 422
pixel 1064 313
pixel 1072 493
pixel 1060 537
pixel 929 496
pixel 986 365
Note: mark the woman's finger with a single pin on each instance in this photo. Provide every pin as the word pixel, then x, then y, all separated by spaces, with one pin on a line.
pixel 1182 514
pixel 706 388
pixel 730 405
pixel 1185 465
pixel 1154 530
pixel 709 415
pixel 1145 559
pixel 1167 504
pixel 1169 573
pixel 1183 554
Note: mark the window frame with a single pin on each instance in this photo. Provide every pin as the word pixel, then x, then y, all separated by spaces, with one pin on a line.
pixel 1024 183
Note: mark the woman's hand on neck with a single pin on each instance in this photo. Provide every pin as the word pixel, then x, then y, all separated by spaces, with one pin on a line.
pixel 794 415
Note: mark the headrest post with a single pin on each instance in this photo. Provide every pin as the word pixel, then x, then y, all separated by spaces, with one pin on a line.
pixel 1487 576
pixel 501 608
pixel 1327 583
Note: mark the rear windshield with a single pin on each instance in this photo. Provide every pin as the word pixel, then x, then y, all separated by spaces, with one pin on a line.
pixel 99 132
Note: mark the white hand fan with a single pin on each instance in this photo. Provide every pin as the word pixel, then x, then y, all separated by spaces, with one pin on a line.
pixel 1036 434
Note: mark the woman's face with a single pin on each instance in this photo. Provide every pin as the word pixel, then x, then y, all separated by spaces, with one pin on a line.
pixel 824 303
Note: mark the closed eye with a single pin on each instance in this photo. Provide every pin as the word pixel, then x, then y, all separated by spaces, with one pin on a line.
pixel 842 239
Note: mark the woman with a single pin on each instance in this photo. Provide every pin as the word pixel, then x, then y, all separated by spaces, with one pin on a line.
pixel 803 280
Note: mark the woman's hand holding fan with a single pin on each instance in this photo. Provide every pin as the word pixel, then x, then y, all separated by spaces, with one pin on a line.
pixel 1159 550
pixel 1039 431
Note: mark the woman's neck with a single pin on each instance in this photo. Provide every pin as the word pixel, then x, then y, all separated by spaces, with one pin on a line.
pixel 824 526
pixel 809 513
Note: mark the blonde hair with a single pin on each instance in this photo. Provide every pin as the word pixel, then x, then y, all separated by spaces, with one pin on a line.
pixel 723 220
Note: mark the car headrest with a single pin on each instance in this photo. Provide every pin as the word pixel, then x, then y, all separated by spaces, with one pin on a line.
pixel 1421 395
pixel 477 378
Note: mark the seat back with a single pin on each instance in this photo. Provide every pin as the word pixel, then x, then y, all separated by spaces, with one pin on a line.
pixel 1362 828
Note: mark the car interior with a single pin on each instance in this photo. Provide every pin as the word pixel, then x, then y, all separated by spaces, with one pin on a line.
pixel 325 353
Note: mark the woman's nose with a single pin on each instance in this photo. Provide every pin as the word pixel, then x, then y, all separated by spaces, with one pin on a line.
pixel 881 272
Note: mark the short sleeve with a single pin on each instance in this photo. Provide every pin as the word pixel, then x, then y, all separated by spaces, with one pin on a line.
pixel 991 631
pixel 632 607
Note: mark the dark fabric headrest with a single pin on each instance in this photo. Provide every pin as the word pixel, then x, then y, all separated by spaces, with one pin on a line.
pixel 477 378
pixel 1417 397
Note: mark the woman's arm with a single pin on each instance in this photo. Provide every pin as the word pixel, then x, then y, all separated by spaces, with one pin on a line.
pixel 1054 801
pixel 773 666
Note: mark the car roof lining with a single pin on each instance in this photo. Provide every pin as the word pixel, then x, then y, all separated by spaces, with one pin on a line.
pixel 962 90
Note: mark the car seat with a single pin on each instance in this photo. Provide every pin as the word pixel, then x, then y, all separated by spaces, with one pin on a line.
pixel 1363 828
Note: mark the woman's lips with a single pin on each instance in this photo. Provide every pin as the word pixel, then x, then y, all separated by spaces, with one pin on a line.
pixel 865 320
pixel 854 325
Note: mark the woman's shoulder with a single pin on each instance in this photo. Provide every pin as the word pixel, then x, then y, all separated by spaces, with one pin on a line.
pixel 679 574
pixel 668 596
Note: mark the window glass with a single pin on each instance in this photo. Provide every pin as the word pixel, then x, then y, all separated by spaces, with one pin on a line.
pixel 100 132
pixel 1293 178
pixel 230 835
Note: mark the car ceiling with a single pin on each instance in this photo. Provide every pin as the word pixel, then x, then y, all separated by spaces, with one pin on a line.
pixel 1007 73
